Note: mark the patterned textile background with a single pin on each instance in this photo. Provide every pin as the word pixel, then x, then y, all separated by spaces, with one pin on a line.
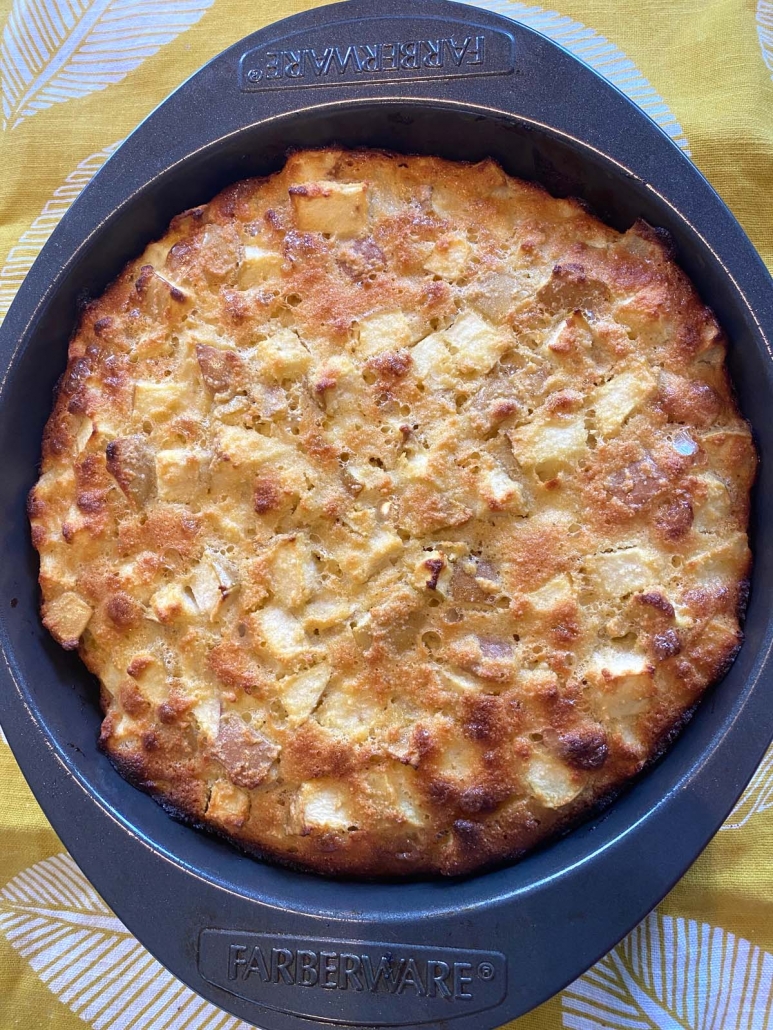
pixel 76 77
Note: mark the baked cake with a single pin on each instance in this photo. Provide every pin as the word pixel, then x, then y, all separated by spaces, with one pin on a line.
pixel 400 509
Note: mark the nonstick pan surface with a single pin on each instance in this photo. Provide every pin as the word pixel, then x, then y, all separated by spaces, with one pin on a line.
pixel 284 949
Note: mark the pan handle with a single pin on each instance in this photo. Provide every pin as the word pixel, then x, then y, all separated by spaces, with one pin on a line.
pixel 374 50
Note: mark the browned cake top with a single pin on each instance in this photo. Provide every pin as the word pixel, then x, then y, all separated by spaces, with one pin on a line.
pixel 400 509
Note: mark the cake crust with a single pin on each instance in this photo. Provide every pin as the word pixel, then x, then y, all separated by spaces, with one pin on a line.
pixel 400 509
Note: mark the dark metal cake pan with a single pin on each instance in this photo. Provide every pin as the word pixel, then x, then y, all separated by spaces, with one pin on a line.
pixel 283 949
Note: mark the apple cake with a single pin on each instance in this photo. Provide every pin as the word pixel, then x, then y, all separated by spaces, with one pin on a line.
pixel 400 509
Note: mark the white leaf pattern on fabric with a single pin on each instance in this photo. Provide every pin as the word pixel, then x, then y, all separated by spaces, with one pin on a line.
pixel 54 918
pixel 21 257
pixel 765 32
pixel 758 796
pixel 53 51
pixel 674 974
pixel 596 51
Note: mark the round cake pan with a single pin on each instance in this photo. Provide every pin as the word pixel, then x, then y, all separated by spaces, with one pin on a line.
pixel 286 950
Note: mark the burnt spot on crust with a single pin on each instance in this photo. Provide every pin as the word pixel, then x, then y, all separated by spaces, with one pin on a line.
pixel 143 280
pixel 666 644
pixel 585 749
pixel 483 718
pixel 468 833
pixel 173 708
pixel 149 740
pixel 139 664
pixel 654 599
pixel 324 383
pixel 479 799
pixel 266 496
pixel 122 610
pixel 115 373
pixel 102 325
pixel 435 566
pixel 78 372
pixel 391 365
pixel 422 742
pixel 91 502
pixel 441 793
pixel 35 506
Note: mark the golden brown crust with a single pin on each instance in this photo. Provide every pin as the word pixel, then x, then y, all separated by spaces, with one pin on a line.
pixel 400 509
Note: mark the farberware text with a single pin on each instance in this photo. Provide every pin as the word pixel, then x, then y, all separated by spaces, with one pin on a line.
pixel 369 58
pixel 337 970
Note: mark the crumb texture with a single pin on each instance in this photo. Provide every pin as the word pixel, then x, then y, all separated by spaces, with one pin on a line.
pixel 400 509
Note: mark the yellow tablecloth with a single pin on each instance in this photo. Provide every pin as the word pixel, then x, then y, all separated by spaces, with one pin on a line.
pixel 703 68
